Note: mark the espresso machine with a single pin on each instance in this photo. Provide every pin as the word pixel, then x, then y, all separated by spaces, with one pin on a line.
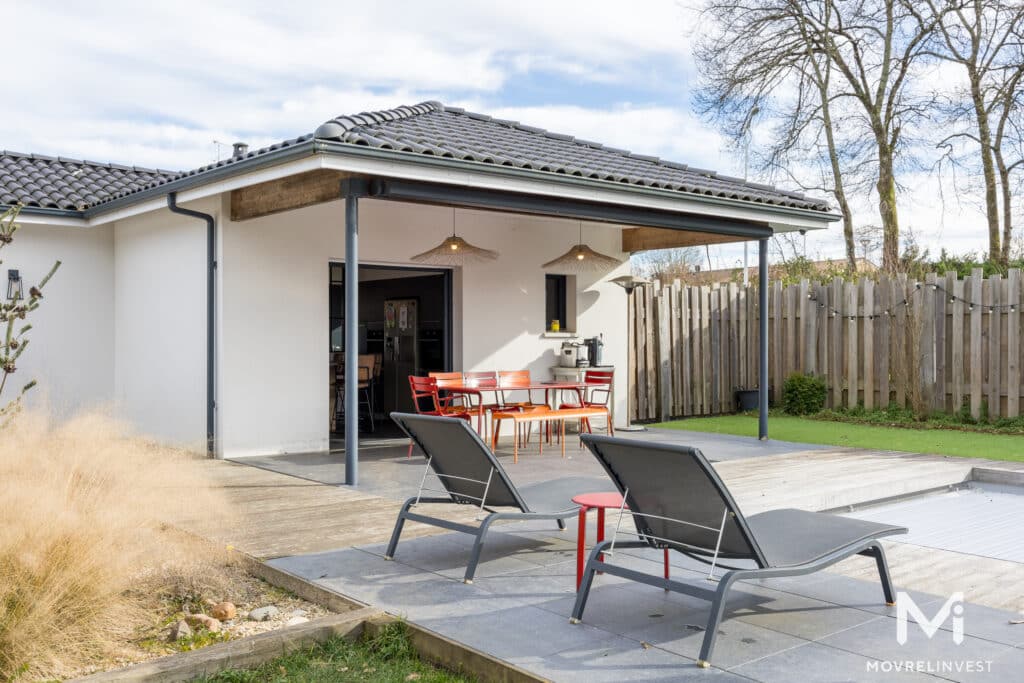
pixel 574 354
pixel 595 349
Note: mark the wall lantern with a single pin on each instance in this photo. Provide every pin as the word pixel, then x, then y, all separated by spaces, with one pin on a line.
pixel 14 291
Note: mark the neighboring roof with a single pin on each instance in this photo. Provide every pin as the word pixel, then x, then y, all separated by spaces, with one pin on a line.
pixel 426 129
pixel 70 184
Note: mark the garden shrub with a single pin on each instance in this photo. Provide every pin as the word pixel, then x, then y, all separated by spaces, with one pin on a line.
pixel 803 394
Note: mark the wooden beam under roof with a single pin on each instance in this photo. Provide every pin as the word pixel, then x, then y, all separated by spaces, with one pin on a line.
pixel 645 239
pixel 285 194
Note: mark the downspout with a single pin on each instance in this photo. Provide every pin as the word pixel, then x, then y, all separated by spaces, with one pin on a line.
pixel 211 317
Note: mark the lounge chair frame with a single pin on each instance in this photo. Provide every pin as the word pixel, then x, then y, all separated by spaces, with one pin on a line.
pixel 598 559
pixel 497 480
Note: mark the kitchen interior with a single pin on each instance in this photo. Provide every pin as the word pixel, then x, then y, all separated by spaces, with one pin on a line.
pixel 404 322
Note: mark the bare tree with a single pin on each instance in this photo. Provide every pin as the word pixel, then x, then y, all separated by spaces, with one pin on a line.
pixel 667 264
pixel 758 59
pixel 853 59
pixel 984 37
pixel 13 313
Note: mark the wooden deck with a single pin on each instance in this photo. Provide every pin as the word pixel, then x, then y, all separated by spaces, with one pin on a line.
pixel 277 515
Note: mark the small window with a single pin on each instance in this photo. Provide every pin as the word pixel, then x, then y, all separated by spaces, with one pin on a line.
pixel 556 302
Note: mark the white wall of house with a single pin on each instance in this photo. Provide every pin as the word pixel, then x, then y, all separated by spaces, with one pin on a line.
pixel 71 348
pixel 160 324
pixel 273 383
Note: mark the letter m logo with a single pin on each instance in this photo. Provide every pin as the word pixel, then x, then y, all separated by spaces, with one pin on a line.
pixel 906 608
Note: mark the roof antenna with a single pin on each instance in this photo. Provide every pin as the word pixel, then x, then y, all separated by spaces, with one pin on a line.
pixel 217 144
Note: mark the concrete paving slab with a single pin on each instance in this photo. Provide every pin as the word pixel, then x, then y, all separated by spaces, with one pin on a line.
pixel 865 595
pixel 1010 662
pixel 795 614
pixel 519 631
pixel 877 639
pixel 621 659
pixel 738 642
pixel 817 663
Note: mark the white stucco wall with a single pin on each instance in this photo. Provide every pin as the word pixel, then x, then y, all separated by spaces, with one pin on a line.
pixel 71 350
pixel 160 324
pixel 273 383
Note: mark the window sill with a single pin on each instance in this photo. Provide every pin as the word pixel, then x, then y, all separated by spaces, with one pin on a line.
pixel 558 335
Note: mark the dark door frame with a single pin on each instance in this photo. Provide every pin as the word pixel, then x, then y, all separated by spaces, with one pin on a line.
pixel 447 326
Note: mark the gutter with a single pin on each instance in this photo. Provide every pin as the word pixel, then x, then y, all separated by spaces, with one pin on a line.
pixel 211 317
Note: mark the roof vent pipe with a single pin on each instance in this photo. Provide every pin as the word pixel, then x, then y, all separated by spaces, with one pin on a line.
pixel 239 150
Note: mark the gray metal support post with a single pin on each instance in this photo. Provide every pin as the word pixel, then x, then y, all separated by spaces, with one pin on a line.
pixel 352 190
pixel 762 343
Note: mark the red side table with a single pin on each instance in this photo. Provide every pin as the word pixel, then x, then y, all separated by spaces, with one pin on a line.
pixel 599 502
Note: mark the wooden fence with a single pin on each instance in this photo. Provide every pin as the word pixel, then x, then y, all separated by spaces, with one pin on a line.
pixel 936 345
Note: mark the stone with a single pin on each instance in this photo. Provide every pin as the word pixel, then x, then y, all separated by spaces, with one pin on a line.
pixel 204 621
pixel 263 613
pixel 295 621
pixel 298 613
pixel 179 631
pixel 223 611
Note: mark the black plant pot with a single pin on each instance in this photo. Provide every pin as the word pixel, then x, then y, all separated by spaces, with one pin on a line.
pixel 746 400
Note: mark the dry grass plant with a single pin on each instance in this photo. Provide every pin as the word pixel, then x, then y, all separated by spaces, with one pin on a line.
pixel 83 539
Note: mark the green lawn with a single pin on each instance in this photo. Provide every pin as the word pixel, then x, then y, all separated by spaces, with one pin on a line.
pixel 803 430
pixel 386 658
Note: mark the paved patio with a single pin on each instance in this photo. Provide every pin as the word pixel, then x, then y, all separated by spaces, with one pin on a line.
pixel 827 627
pixel 820 628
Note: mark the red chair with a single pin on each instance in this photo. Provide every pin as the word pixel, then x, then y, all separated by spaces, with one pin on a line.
pixel 485 381
pixel 424 389
pixel 597 394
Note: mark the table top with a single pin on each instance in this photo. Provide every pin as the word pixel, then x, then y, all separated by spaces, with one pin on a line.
pixel 608 499
pixel 532 386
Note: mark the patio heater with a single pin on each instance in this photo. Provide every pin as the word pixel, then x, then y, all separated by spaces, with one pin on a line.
pixel 629 283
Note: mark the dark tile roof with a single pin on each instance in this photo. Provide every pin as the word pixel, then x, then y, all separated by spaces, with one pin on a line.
pixel 433 129
pixel 429 128
pixel 178 175
pixel 70 184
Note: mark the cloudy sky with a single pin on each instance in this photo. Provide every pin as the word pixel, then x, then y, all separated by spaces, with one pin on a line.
pixel 156 84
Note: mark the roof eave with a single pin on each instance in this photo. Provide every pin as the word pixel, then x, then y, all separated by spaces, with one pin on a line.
pixel 771 212
pixel 247 165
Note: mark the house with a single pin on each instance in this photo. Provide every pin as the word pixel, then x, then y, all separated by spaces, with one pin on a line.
pixel 821 268
pixel 198 304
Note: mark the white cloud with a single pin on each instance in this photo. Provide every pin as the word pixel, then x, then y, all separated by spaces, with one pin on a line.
pixel 154 84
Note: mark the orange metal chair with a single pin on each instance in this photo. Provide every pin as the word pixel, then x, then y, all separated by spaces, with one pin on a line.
pixel 598 395
pixel 425 389
pixel 508 380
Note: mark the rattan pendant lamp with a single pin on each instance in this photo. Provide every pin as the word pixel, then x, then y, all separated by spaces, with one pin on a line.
pixel 581 258
pixel 455 251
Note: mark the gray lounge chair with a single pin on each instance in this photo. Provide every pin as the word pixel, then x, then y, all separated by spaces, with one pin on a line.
pixel 471 475
pixel 677 501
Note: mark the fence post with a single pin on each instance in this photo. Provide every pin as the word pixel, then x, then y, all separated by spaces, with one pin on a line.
pixel 975 310
pixel 1013 343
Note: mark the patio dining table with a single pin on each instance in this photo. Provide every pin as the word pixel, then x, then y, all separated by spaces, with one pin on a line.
pixel 480 387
